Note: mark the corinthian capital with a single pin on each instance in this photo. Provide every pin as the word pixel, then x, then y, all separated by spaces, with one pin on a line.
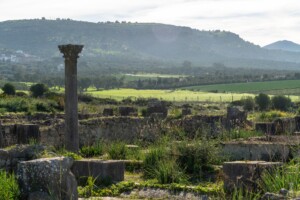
pixel 70 51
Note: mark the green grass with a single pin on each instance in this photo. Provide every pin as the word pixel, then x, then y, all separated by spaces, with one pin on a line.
pixel 9 189
pixel 169 95
pixel 250 87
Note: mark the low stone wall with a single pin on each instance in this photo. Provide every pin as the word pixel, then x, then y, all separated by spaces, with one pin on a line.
pixel 127 129
pixel 266 151
pixel 198 124
pixel 110 170
pixel 9 158
pixel 245 174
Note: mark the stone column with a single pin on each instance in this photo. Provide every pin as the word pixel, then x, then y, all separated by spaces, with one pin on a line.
pixel 71 99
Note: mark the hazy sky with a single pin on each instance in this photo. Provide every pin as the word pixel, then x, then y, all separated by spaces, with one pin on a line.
pixel 257 21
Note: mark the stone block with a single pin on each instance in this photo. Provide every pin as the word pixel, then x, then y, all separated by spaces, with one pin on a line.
pixel 127 111
pixel 112 170
pixel 265 127
pixel 26 132
pixel 245 174
pixel 48 175
pixel 108 112
pixel 186 111
pixel 267 151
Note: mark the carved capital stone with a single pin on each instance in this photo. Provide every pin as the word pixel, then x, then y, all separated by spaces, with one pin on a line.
pixel 70 51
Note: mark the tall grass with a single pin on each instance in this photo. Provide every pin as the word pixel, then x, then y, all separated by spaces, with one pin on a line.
pixel 152 160
pixel 9 188
pixel 197 157
pixel 287 177
pixel 117 150
pixel 93 150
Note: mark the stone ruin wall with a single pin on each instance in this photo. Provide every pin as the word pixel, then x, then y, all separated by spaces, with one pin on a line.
pixel 127 129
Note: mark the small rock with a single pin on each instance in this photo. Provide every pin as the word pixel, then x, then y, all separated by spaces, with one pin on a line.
pixel 272 196
pixel 283 191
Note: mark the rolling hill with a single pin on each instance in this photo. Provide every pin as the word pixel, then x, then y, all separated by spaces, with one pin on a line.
pixel 143 42
pixel 284 45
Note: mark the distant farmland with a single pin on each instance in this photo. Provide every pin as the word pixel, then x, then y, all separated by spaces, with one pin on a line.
pixel 170 95
pixel 285 87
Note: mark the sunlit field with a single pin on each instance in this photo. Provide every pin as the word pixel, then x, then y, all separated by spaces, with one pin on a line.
pixel 170 95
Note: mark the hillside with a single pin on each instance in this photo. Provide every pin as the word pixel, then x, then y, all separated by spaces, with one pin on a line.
pixel 284 45
pixel 131 43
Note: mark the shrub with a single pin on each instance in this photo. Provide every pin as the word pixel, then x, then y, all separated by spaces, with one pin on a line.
pixel 9 89
pixel 21 94
pixel 17 105
pixel 152 159
pixel 248 103
pixel 38 89
pixel 198 156
pixel 263 101
pixel 9 188
pixel 42 107
pixel 281 102
pixel 91 151
pixel 168 171
pixel 117 151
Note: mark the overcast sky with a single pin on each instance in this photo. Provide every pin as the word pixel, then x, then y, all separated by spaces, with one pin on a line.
pixel 258 21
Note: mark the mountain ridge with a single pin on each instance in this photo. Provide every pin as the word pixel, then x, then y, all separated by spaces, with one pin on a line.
pixel 143 41
pixel 284 45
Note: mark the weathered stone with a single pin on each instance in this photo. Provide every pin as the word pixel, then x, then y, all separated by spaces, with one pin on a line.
pixel 283 191
pixel 27 132
pixel 127 111
pixel 10 158
pixel 245 174
pixel 112 170
pixel 71 98
pixel 186 111
pixel 265 127
pixel 39 196
pixel 284 126
pixel 200 124
pixel 267 151
pixel 156 106
pixel 236 116
pixel 49 175
pixel 272 196
pixel 108 112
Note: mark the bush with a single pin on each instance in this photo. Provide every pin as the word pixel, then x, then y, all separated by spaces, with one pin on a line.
pixel 9 188
pixel 281 103
pixel 263 101
pixel 152 159
pixel 9 89
pixel 168 171
pixel 42 107
pixel 117 151
pixel 198 156
pixel 38 89
pixel 91 151
pixel 21 94
pixel 248 104
pixel 17 106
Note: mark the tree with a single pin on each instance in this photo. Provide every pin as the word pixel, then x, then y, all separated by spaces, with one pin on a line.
pixel 281 102
pixel 9 89
pixel 84 84
pixel 38 89
pixel 248 103
pixel 263 101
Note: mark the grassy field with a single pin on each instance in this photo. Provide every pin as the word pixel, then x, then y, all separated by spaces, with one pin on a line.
pixel 170 95
pixel 143 76
pixel 270 87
